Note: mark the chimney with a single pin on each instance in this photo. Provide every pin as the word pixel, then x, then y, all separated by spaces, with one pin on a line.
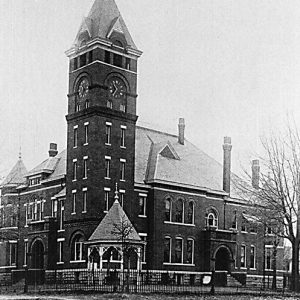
pixel 181 127
pixel 227 164
pixel 53 150
pixel 255 173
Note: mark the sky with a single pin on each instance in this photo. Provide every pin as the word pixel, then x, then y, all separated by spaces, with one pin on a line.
pixel 230 68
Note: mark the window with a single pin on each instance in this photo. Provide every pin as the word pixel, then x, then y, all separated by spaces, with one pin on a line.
pixel 123 106
pixel 25 252
pixel 54 208
pixel 123 130
pixel 178 250
pixel 86 133
pixel 74 196
pixel 75 62
pixel 84 202
pixel 269 230
pixel 111 254
pixel 127 63
pixel 106 198
pixel 107 166
pixel 253 228
pixel 179 211
pixel 167 249
pixel 190 213
pixel 12 253
pixel 77 107
pixel 75 136
pixel 243 256
pixel 143 237
pixel 117 60
pixel 252 257
pixel 107 57
pixel 122 169
pixel 82 60
pixel 109 103
pixel 168 210
pixel 77 248
pixel 62 214
pixel 142 204
pixel 122 197
pixel 87 104
pixel 90 56
pixel 85 169
pixel 60 251
pixel 34 181
pixel 211 218
pixel 234 221
pixel 108 133
pixel 74 169
pixel 243 226
pixel 268 258
pixel 190 251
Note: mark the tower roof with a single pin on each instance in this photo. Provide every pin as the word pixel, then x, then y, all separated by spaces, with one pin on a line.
pixel 112 225
pixel 16 175
pixel 103 19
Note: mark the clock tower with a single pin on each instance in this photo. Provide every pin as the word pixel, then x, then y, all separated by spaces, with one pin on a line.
pixel 101 119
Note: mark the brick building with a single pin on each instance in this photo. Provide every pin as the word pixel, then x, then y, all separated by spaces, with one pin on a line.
pixel 186 214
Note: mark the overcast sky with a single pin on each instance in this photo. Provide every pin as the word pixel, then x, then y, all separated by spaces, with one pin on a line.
pixel 230 68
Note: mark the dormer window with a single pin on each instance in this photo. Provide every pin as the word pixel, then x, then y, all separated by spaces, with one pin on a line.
pixel 34 181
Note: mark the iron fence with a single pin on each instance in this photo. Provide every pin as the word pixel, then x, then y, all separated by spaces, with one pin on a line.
pixel 146 281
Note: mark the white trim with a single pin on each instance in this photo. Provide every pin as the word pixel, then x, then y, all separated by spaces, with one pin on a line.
pixel 143 234
pixel 108 157
pixel 75 127
pixel 123 160
pixel 60 262
pixel 25 240
pixel 85 157
pixel 179 264
pixel 84 189
pixel 123 127
pixel 75 160
pixel 107 189
pixel 108 123
pixel 107 64
pixel 61 239
pixel 122 191
pixel 74 191
pixel 77 261
pixel 12 241
pixel 86 123
pixel 175 223
pixel 143 194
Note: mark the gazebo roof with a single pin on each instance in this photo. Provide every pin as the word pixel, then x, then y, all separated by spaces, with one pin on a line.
pixel 115 228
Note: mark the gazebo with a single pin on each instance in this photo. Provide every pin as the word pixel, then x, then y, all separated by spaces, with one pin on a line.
pixel 115 245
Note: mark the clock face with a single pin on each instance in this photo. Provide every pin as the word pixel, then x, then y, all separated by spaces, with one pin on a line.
pixel 116 88
pixel 83 88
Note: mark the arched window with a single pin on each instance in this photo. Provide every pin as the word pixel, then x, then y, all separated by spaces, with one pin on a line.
pixel 167 249
pixel 211 218
pixel 179 211
pixel 168 210
pixel 77 248
pixel 118 43
pixel 190 213
pixel 111 254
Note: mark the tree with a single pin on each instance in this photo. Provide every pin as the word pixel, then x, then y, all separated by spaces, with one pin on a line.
pixel 277 200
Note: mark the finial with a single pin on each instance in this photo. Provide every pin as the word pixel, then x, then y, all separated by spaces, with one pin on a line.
pixel 20 153
pixel 117 193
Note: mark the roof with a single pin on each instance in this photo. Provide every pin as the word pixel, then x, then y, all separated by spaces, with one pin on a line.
pixel 104 18
pixel 179 164
pixel 55 165
pixel 112 226
pixel 16 175
pixel 61 194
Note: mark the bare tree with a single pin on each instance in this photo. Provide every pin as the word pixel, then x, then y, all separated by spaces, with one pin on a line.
pixel 276 199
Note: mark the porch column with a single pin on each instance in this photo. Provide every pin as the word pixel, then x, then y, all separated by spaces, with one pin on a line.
pixel 139 265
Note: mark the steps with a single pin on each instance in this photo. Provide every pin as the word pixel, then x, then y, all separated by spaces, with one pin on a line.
pixel 232 282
